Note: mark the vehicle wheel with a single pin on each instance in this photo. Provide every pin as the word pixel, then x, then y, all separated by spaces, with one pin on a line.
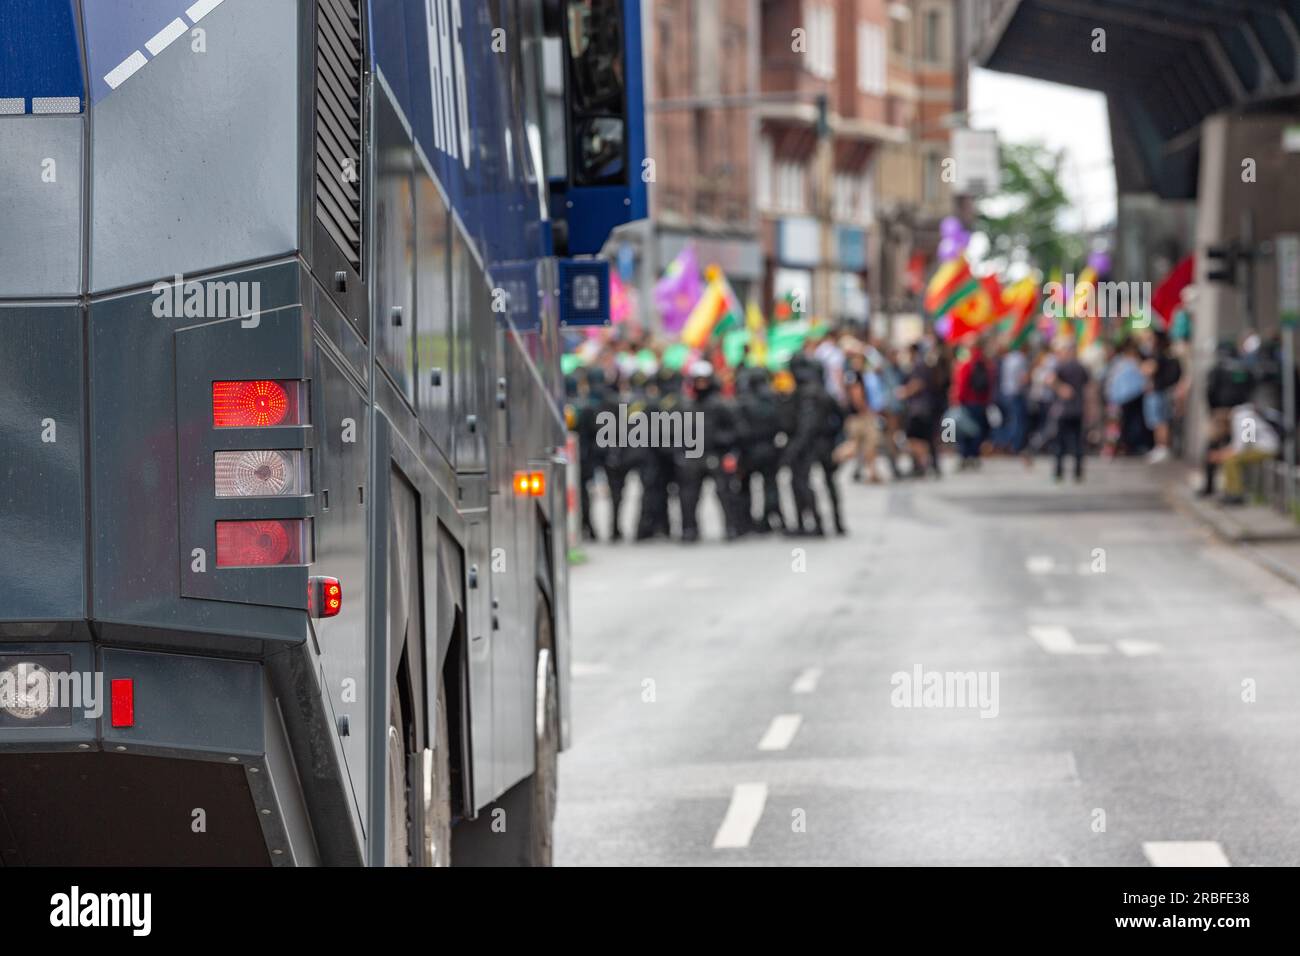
pixel 437 790
pixel 399 804
pixel 527 808
pixel 545 778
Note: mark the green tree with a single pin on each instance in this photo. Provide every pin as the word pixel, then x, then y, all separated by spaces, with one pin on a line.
pixel 1023 217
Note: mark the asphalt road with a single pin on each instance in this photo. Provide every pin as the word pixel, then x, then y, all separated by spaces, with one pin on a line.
pixel 1100 683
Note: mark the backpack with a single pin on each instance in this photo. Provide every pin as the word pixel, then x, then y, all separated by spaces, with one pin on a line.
pixel 978 382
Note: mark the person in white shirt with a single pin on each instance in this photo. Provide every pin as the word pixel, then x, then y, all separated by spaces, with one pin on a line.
pixel 829 353
pixel 1251 439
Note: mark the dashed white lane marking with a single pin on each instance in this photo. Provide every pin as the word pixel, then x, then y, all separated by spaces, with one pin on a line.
pixel 806 682
pixel 743 814
pixel 165 37
pixel 123 71
pixel 1058 640
pixel 588 669
pixel 1136 648
pixel 1039 564
pixel 781 732
pixel 202 9
pixel 1185 853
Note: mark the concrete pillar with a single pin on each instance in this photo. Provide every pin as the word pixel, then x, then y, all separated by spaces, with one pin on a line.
pixel 1243 169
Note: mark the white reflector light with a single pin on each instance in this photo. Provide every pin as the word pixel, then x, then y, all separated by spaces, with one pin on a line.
pixel 260 473
pixel 25 690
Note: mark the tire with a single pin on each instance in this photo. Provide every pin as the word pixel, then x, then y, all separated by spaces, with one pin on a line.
pixel 432 769
pixel 545 778
pixel 398 820
pixel 527 808
pixel 437 790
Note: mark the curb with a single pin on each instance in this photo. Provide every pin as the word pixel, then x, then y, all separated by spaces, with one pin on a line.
pixel 1224 526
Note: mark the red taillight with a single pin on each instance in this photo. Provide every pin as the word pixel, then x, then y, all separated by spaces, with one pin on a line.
pixel 255 544
pixel 324 597
pixel 521 482
pixel 121 691
pixel 256 404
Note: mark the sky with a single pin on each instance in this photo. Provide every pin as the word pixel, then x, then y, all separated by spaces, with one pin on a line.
pixel 1023 110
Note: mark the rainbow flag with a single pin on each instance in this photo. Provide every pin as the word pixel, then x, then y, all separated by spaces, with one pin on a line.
pixel 620 305
pixel 975 309
pixel 1018 302
pixel 951 283
pixel 717 311
pixel 678 290
pixel 1086 320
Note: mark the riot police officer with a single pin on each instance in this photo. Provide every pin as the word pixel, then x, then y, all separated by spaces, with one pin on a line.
pixel 657 466
pixel 717 459
pixel 819 419
pixel 759 455
pixel 591 394
pixel 616 460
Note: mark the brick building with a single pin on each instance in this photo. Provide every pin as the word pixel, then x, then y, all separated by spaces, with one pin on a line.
pixel 735 90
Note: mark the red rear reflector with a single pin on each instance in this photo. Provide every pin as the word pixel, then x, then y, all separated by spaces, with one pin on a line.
pixel 254 544
pixel 537 483
pixel 324 597
pixel 256 404
pixel 122 701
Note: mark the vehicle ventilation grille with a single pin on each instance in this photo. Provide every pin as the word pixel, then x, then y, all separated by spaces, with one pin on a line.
pixel 338 123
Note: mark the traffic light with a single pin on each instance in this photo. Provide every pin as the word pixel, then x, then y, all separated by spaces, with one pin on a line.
pixel 1223 263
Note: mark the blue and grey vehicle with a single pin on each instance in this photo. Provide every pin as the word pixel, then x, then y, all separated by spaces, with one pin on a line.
pixel 282 448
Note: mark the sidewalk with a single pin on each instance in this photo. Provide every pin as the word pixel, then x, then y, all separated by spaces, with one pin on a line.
pixel 1264 534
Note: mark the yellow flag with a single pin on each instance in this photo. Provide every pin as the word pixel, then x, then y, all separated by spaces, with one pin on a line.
pixel 757 326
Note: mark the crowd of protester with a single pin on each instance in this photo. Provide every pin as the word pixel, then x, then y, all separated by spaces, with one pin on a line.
pixel 891 413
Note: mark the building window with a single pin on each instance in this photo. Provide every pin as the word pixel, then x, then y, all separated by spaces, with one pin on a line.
pixel 932 44
pixel 871 59
pixel 930 178
pixel 789 186
pixel 853 197
pixel 821 40
pixel 781 182
pixel 899 17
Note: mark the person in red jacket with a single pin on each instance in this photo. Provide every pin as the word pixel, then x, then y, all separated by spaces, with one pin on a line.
pixel 972 390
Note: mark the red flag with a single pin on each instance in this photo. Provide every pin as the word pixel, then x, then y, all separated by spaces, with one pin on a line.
pixel 1169 293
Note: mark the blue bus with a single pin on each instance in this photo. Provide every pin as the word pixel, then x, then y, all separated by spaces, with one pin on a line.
pixel 282 449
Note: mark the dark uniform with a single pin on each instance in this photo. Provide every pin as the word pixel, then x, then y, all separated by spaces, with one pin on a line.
pixel 588 407
pixel 616 461
pixel 760 423
pixel 717 461
pixel 817 428
pixel 657 466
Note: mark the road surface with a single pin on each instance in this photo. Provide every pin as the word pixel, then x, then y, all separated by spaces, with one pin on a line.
pixel 1097 682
